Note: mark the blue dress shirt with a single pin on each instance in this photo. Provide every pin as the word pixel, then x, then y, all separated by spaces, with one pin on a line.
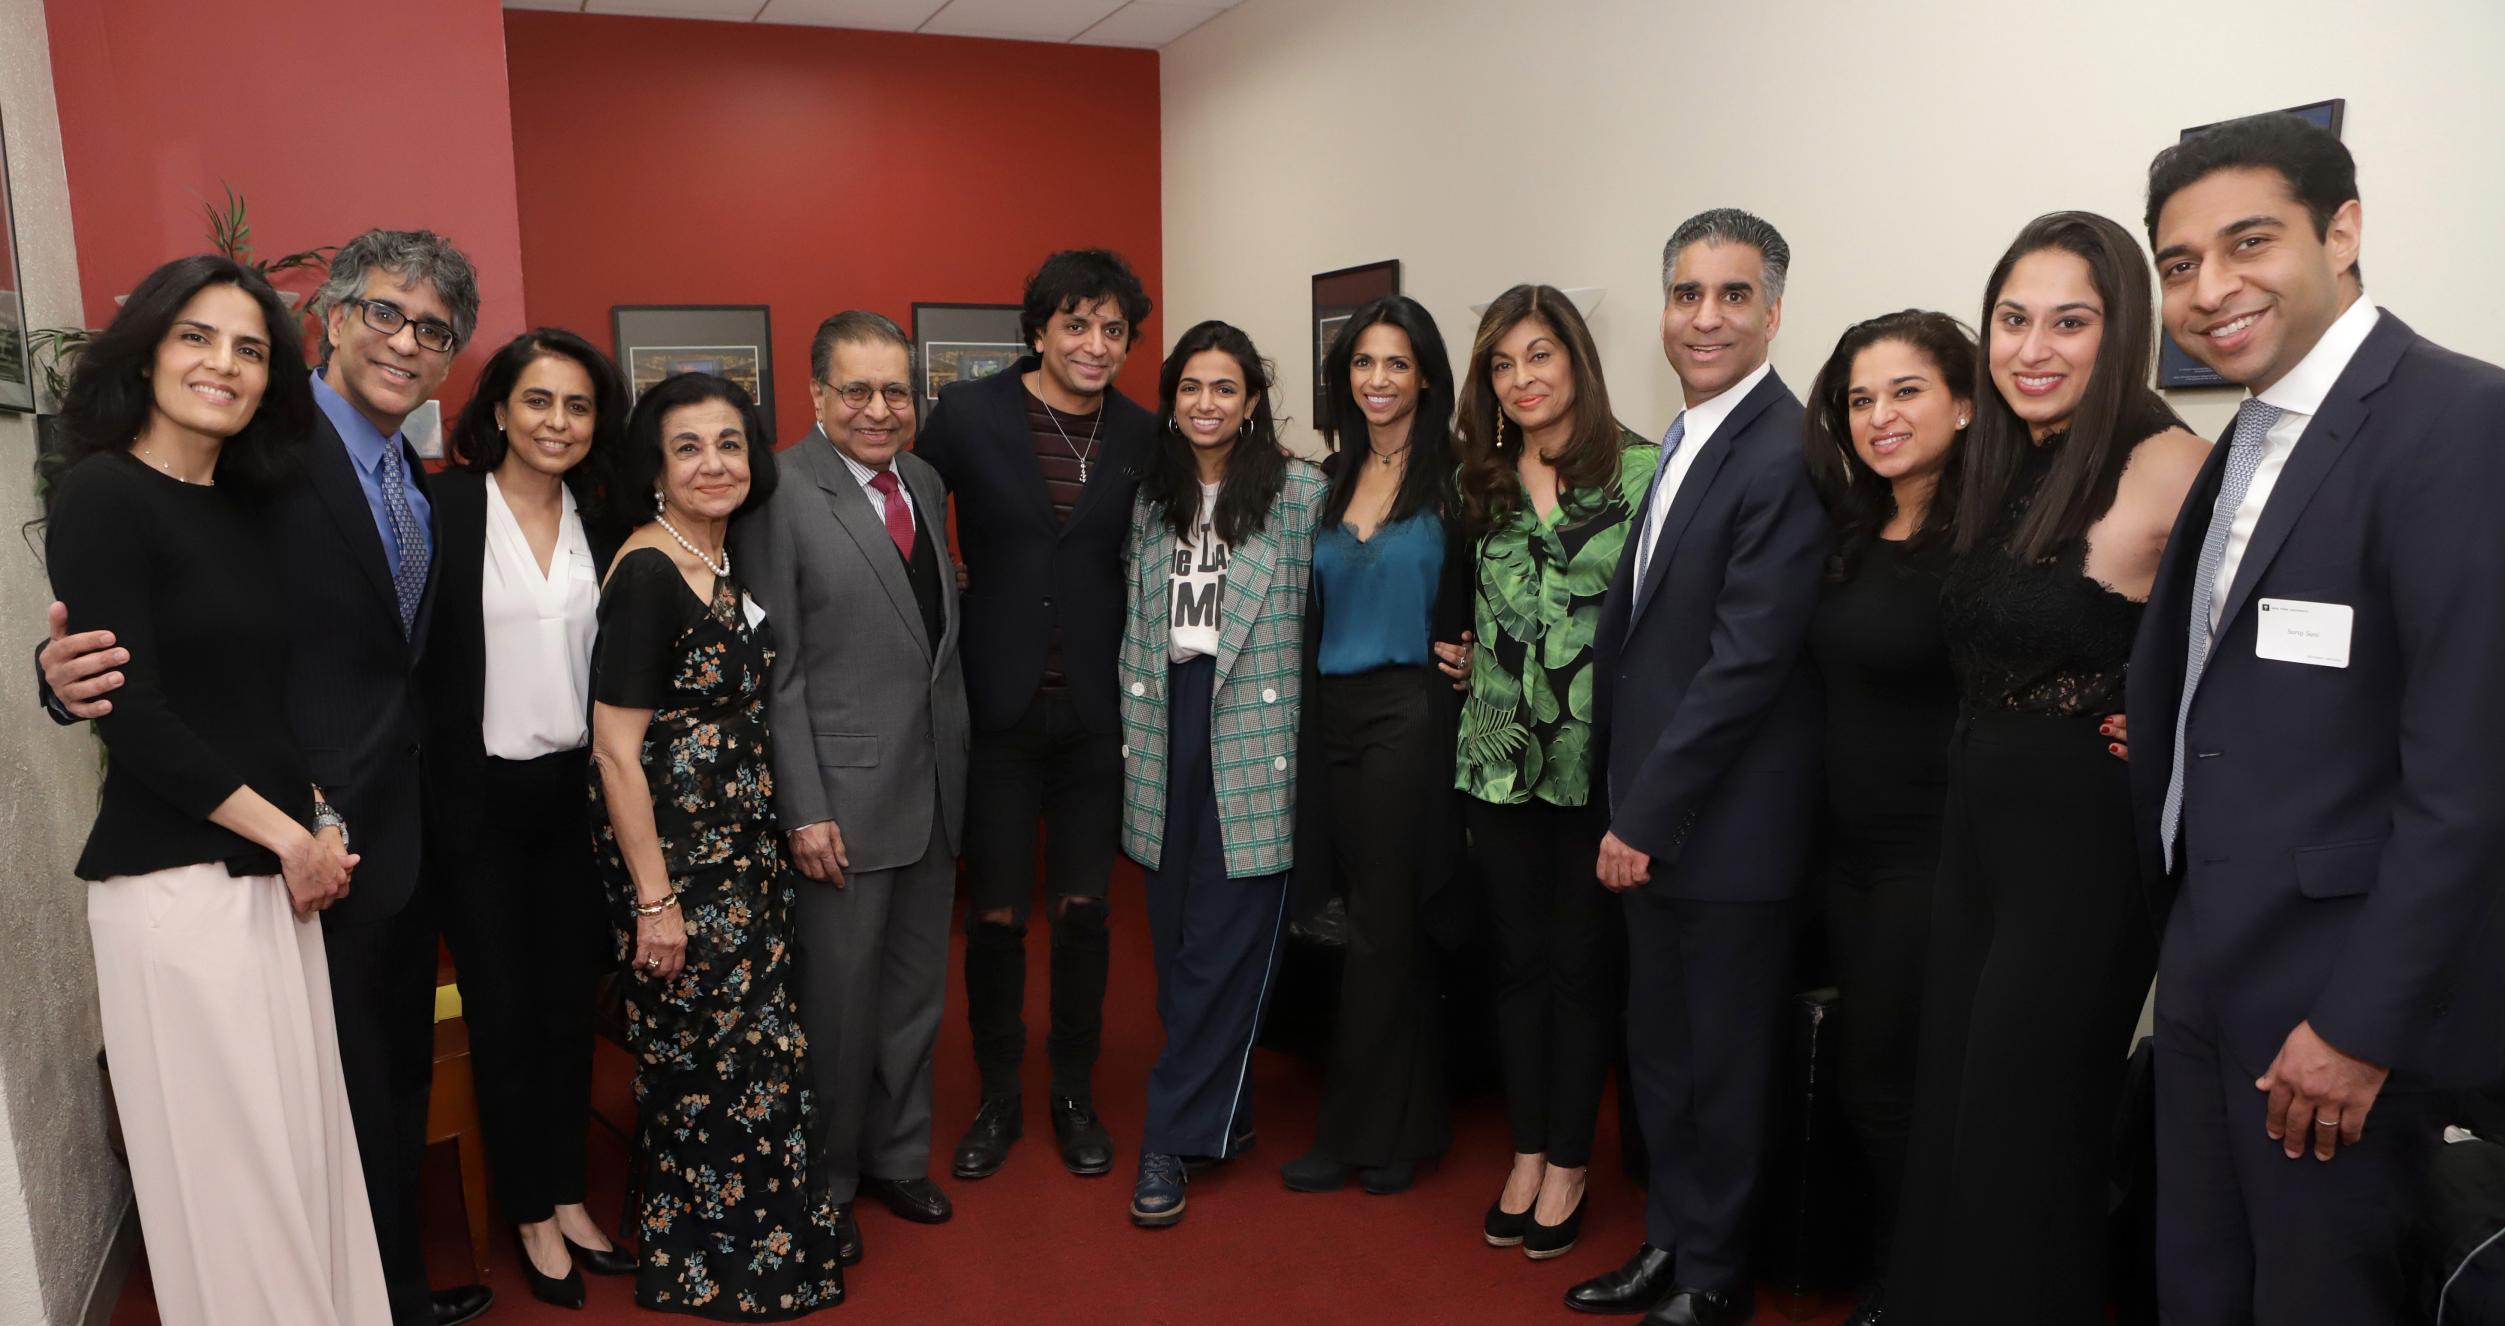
pixel 370 451
pixel 1378 594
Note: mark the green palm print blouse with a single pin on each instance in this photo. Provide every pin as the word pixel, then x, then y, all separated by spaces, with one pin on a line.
pixel 1526 729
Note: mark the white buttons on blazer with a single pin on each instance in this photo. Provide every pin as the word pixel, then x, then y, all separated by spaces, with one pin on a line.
pixel 1279 763
pixel 1269 695
pixel 1139 688
pixel 1126 751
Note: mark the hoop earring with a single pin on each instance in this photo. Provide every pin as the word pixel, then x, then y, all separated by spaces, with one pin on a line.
pixel 1244 429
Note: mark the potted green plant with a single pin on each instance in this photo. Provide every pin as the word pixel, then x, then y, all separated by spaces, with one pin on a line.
pixel 230 233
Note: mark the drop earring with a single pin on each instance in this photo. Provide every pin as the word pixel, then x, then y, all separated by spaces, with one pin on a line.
pixel 660 504
pixel 1500 430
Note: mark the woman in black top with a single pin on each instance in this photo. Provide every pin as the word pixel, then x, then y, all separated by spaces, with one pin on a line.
pixel 212 851
pixel 1886 415
pixel 525 532
pixel 1391 577
pixel 682 809
pixel 2041 950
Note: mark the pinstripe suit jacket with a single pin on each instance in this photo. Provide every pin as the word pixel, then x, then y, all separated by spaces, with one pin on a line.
pixel 1260 684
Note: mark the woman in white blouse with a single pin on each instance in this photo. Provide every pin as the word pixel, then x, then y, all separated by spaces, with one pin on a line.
pixel 523 539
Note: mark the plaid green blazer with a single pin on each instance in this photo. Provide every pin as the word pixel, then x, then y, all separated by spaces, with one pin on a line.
pixel 1260 686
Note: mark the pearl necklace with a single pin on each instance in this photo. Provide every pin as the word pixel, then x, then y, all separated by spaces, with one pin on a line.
pixel 723 569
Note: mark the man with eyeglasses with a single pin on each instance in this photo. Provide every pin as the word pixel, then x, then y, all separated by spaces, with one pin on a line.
pixel 848 561
pixel 355 536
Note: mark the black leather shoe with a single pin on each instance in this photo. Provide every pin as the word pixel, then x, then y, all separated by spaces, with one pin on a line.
pixel 601 1261
pixel 1703 1307
pixel 1541 1242
pixel 1315 1171
pixel 1504 1228
pixel 847 1236
pixel 985 1146
pixel 464 1302
pixel 564 1291
pixel 917 1200
pixel 1086 1148
pixel 1384 1180
pixel 1235 1146
pixel 1871 1311
pixel 1632 1288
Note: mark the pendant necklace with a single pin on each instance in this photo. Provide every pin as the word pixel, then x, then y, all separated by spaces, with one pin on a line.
pixel 1055 416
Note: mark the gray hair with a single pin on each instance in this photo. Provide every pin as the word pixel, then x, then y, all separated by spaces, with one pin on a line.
pixel 413 256
pixel 1730 225
pixel 854 326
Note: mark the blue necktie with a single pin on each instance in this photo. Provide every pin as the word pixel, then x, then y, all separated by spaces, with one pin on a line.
pixel 408 569
pixel 2253 422
pixel 1645 533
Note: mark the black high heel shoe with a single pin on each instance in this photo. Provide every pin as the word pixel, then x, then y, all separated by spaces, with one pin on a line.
pixel 600 1261
pixel 566 1292
pixel 1541 1242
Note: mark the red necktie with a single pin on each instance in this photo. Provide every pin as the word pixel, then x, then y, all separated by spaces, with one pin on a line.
pixel 899 519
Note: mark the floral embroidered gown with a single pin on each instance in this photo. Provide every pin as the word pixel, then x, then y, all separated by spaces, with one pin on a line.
pixel 728 1229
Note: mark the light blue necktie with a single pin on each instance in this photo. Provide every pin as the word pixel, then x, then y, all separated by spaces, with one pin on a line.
pixel 2253 422
pixel 408 570
pixel 1644 530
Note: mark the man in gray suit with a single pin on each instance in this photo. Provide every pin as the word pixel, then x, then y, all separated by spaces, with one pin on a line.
pixel 868 711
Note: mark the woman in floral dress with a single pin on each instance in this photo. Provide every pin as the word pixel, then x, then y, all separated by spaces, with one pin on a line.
pixel 730 1226
pixel 1549 482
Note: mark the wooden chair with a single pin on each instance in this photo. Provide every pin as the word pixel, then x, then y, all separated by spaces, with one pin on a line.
pixel 452 1116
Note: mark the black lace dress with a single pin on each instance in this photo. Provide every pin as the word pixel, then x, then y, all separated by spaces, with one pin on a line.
pixel 727 1227
pixel 2041 955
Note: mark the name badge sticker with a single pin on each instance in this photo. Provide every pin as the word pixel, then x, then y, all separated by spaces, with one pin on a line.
pixel 2294 631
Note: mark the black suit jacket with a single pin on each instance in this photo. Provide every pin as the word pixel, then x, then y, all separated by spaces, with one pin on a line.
pixel 2343 850
pixel 352 679
pixel 455 672
pixel 1024 565
pixel 1708 710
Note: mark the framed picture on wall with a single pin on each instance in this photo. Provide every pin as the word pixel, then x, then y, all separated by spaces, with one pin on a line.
pixel 962 342
pixel 2175 366
pixel 734 341
pixel 1336 295
pixel 17 364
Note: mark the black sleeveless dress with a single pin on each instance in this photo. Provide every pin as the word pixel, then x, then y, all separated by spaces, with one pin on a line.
pixel 2041 953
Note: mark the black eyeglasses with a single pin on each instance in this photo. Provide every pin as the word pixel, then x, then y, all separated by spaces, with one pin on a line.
pixel 856 395
pixel 388 319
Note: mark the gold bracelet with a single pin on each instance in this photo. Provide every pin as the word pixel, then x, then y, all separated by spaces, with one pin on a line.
pixel 656 908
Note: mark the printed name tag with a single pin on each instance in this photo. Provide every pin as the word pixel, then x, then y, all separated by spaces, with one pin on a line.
pixel 756 615
pixel 2294 631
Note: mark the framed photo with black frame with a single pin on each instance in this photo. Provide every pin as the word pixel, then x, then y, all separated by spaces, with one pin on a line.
pixel 734 341
pixel 2175 365
pixel 962 342
pixel 17 360
pixel 1336 295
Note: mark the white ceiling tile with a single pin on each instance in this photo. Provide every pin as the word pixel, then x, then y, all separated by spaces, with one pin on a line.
pixel 1149 23
pixel 568 6
pixel 1027 20
pixel 736 11
pixel 881 15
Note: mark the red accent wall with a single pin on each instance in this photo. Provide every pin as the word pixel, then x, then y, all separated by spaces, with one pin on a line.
pixel 663 161
pixel 329 118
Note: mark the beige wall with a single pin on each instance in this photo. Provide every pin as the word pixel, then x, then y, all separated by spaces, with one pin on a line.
pixel 61 1192
pixel 1898 147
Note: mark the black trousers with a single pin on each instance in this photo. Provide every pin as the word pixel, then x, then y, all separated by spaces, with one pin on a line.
pixel 383 998
pixel 1878 917
pixel 1216 942
pixel 1556 933
pixel 522 913
pixel 2245 1234
pixel 1048 767
pixel 1383 1098
pixel 1705 987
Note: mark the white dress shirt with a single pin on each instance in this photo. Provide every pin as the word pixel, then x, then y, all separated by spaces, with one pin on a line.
pixel 2299 398
pixel 863 475
pixel 539 631
pixel 1703 420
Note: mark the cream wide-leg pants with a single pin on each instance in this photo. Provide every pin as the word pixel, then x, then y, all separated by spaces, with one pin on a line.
pixel 225 1063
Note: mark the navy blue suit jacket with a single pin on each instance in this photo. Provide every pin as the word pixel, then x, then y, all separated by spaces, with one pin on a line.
pixel 1708 712
pixel 2343 850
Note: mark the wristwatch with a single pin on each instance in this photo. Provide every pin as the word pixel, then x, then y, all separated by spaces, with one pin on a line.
pixel 327 816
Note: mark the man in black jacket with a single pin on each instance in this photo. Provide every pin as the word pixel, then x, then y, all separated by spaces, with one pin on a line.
pixel 1042 461
pixel 356 536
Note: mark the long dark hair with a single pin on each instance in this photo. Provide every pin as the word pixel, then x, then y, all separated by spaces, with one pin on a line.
pixel 640 462
pixel 1859 500
pixel 1427 483
pixel 478 445
pixel 110 396
pixel 1255 470
pixel 2117 409
pixel 1490 489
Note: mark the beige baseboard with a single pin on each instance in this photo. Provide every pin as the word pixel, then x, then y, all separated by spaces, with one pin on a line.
pixel 104 1293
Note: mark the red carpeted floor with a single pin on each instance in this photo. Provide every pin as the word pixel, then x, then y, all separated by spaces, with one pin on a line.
pixel 1033 1244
